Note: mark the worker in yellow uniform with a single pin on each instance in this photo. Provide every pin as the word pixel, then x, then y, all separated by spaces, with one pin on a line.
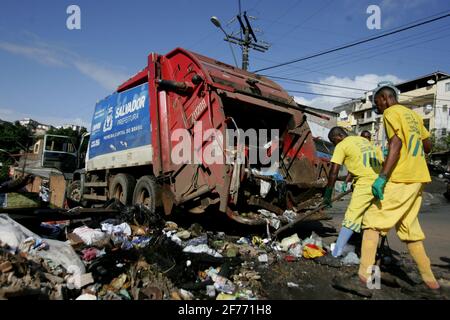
pixel 365 134
pixel 398 188
pixel 363 162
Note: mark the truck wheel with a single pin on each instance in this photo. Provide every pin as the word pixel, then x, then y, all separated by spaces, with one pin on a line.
pixel 147 192
pixel 74 191
pixel 122 188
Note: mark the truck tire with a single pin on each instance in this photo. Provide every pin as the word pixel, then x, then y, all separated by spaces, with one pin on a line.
pixel 148 193
pixel 122 187
pixel 73 195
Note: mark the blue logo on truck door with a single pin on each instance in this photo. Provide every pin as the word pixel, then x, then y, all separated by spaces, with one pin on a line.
pixel 121 122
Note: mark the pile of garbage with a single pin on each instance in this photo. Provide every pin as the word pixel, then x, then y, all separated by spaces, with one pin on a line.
pixel 118 260
pixel 131 257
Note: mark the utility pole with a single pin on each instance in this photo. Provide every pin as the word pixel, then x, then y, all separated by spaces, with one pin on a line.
pixel 247 39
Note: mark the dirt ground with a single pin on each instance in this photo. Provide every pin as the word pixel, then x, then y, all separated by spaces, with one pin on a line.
pixel 162 269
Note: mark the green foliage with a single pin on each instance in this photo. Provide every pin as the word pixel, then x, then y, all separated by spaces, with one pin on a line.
pixel 441 144
pixel 69 133
pixel 14 138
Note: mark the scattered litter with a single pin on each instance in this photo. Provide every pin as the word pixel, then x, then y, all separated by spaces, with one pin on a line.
pixel 272 219
pixel 264 188
pixel 224 296
pixel 243 240
pixel 90 254
pixel 87 296
pixel 183 235
pixel 311 251
pixel 221 284
pixel 198 241
pixel 121 229
pixel 263 258
pixel 292 285
pixel 287 242
pixel 211 291
pixel 289 215
pixel 351 258
pixel 295 250
pixel 186 295
pixel 313 239
pixel 202 248
pixel 90 236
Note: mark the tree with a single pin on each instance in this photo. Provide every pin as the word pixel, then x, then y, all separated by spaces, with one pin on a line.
pixel 69 132
pixel 440 144
pixel 14 138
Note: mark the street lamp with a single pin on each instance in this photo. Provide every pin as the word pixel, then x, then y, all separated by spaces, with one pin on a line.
pixel 217 23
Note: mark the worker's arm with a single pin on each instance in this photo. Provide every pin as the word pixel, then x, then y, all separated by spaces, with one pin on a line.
pixel 427 145
pixel 395 145
pixel 332 177
pixel 349 178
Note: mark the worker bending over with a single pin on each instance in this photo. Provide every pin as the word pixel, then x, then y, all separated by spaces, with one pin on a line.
pixel 363 162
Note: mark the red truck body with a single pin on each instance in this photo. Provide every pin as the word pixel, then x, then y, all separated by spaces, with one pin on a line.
pixel 186 89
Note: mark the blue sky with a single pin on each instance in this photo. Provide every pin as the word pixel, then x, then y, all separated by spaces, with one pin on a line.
pixel 56 75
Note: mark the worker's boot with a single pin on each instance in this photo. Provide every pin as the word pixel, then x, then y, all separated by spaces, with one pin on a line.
pixel 417 251
pixel 368 252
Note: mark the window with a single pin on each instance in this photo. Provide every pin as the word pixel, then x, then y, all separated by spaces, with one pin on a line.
pixel 426 124
pixel 368 114
pixel 447 87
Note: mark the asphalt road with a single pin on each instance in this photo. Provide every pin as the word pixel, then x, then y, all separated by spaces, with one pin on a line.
pixel 434 219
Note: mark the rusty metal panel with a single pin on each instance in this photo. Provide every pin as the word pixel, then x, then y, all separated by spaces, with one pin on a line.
pixel 57 190
pixel 36 186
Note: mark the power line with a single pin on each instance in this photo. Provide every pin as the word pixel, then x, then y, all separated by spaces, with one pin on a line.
pixel 321 94
pixel 340 87
pixel 304 21
pixel 356 43
pixel 331 62
pixel 376 55
pixel 314 83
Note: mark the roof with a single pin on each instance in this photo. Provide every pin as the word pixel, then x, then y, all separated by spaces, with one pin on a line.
pixel 422 81
pixel 320 111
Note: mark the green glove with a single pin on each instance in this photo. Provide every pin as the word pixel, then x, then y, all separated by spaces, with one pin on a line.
pixel 344 187
pixel 385 152
pixel 327 197
pixel 378 187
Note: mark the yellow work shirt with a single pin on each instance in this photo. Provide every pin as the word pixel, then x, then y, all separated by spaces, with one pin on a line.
pixel 408 126
pixel 362 159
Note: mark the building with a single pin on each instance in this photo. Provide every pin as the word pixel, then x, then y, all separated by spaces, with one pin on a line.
pixel 74 127
pixel 427 95
pixel 37 129
pixel 320 121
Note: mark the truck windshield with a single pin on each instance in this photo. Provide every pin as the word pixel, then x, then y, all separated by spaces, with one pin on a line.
pixel 59 144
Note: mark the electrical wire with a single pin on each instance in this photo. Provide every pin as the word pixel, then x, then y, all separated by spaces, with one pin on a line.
pixel 346 46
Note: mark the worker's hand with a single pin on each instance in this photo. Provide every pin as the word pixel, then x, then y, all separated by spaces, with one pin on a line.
pixel 385 152
pixel 327 197
pixel 378 187
pixel 344 187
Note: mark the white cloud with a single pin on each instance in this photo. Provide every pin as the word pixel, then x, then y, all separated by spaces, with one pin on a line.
pixel 55 56
pixel 39 54
pixel 363 82
pixel 109 79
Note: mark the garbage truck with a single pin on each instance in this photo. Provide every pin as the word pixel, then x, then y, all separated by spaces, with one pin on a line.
pixel 149 138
